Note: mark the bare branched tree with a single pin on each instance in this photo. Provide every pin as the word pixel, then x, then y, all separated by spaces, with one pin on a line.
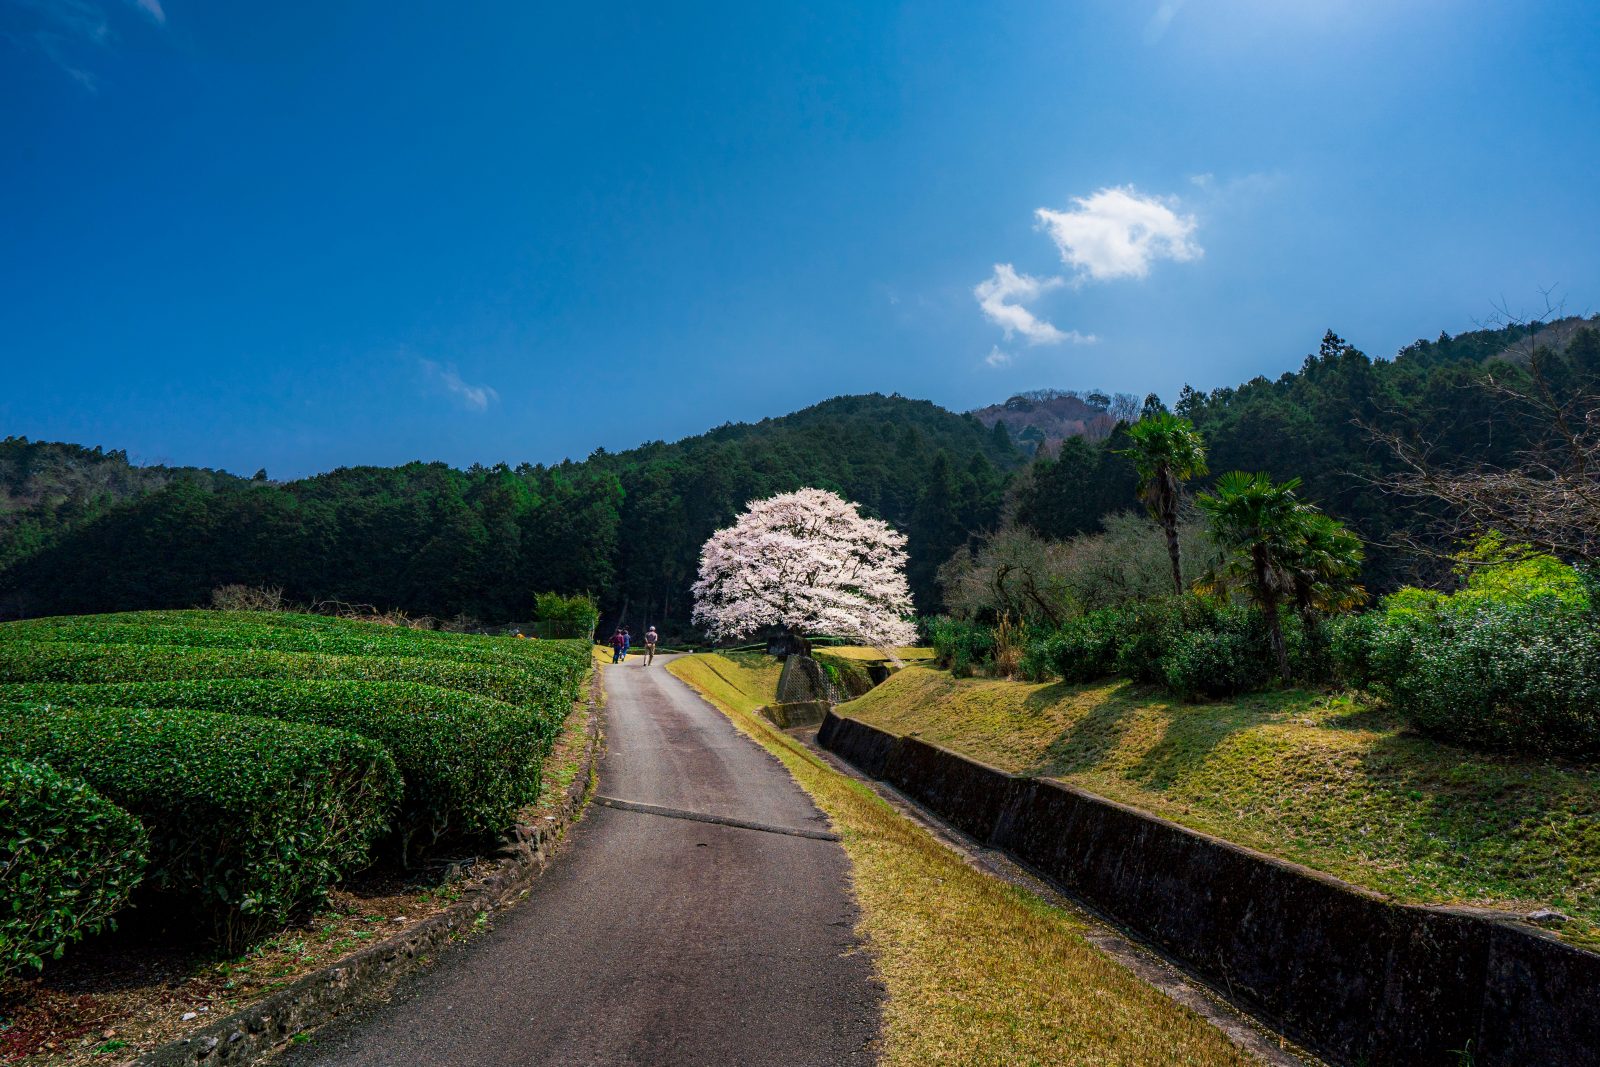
pixel 1549 495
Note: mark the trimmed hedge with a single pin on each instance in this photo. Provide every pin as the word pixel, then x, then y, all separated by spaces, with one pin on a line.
pixel 469 762
pixel 543 682
pixel 248 818
pixel 240 630
pixel 68 860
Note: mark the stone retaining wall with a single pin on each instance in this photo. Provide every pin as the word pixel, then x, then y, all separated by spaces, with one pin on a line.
pixel 1359 978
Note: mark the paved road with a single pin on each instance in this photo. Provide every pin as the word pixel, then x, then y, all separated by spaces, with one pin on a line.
pixel 652 940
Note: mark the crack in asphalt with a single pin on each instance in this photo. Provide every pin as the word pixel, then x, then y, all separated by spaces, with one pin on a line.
pixel 719 820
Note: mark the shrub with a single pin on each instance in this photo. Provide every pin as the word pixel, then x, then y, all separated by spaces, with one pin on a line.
pixel 1142 632
pixel 1215 663
pixel 1197 647
pixel 237 597
pixel 68 860
pixel 1085 648
pixel 1511 661
pixel 1518 677
pixel 567 616
pixel 1496 571
pixel 960 647
pixel 534 681
pixel 1370 650
pixel 248 818
pixel 469 762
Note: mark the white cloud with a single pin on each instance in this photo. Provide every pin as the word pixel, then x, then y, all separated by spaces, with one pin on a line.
pixel 472 397
pixel 1001 298
pixel 1156 28
pixel 998 357
pixel 153 9
pixel 1116 233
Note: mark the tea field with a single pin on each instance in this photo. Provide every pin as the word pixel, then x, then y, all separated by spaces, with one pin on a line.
pixel 229 768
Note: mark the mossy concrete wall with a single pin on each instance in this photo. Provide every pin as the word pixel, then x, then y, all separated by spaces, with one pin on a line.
pixel 1359 978
pixel 799 713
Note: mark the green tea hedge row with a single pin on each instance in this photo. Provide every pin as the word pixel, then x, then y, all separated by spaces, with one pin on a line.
pixel 68 860
pixel 248 818
pixel 548 683
pixel 469 762
pixel 428 643
pixel 249 632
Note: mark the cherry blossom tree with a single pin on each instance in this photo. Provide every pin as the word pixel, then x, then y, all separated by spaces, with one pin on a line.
pixel 809 562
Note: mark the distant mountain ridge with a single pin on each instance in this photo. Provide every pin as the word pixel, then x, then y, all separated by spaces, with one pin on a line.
pixel 427 538
pixel 83 529
pixel 1042 419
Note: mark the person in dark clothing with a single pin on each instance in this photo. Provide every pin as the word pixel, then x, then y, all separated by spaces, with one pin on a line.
pixel 627 642
pixel 618 645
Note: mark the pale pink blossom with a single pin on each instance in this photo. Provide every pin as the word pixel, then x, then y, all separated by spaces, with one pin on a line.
pixel 809 562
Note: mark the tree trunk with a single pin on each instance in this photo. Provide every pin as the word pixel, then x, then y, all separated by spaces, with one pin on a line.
pixel 1171 529
pixel 1269 604
pixel 798 645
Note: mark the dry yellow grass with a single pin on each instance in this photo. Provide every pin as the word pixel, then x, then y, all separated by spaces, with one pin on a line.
pixel 868 654
pixel 977 971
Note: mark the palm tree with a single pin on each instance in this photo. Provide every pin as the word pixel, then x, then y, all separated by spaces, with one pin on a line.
pixel 1261 526
pixel 1167 451
pixel 1325 566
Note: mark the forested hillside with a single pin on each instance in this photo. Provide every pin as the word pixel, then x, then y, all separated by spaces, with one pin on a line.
pixel 1318 424
pixel 426 538
pixel 82 530
pixel 46 488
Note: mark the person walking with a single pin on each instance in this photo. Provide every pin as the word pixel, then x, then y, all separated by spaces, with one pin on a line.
pixel 627 643
pixel 618 643
pixel 650 639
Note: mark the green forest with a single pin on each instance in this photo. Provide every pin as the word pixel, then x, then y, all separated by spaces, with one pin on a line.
pixel 85 530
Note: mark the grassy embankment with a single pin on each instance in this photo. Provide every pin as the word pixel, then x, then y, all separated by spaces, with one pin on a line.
pixel 977 971
pixel 1315 778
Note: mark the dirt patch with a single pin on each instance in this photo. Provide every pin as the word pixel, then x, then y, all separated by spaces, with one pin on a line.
pixel 123 994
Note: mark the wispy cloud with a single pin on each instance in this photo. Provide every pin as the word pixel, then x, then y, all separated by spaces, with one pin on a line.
pixel 69 32
pixel 1001 297
pixel 445 377
pixel 1117 233
pixel 998 357
pixel 1156 28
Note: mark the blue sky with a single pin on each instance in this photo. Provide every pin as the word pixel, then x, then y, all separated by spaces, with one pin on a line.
pixel 300 236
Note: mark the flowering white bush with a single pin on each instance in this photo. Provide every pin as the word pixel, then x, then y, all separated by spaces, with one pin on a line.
pixel 809 562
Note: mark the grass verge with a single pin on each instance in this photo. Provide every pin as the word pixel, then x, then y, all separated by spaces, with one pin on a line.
pixel 1316 778
pixel 977 971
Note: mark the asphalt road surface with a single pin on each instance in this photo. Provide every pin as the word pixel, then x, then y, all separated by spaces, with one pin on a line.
pixel 654 939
